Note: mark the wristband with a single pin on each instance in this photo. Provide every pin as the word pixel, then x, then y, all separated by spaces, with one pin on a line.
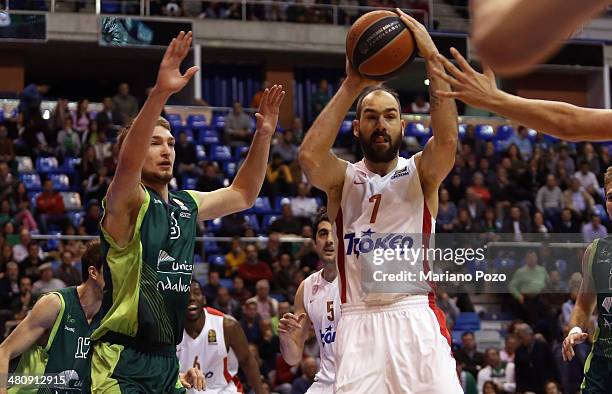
pixel 575 330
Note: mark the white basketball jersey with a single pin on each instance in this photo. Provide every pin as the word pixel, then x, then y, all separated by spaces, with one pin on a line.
pixel 378 212
pixel 322 305
pixel 209 353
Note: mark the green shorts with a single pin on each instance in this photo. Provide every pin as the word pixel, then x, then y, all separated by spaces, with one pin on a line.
pixel 120 369
pixel 597 375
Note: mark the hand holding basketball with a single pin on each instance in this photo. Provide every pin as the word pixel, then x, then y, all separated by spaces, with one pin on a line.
pixel 267 115
pixel 290 322
pixel 427 48
pixel 354 79
pixel 169 78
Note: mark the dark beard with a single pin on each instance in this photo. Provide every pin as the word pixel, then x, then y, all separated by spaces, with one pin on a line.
pixel 376 156
pixel 156 179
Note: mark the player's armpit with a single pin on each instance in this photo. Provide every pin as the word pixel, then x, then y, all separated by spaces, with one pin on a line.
pixel 220 202
pixel 324 170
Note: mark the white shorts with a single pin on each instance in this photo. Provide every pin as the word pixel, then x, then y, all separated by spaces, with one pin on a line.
pixel 396 348
pixel 321 388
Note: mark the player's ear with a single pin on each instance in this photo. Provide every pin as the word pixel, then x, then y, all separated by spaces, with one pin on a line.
pixel 356 128
pixel 403 123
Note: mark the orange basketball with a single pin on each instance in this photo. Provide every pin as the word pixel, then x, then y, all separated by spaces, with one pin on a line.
pixel 379 45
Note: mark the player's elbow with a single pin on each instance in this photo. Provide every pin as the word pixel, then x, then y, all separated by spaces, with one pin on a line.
pixel 306 159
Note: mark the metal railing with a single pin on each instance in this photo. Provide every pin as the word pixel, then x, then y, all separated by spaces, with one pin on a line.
pixel 245 10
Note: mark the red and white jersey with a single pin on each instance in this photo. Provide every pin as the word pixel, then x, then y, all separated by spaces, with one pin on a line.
pixel 378 212
pixel 208 352
pixel 322 304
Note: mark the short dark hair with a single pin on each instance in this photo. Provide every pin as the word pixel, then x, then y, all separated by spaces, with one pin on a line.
pixel 320 217
pixel 375 88
pixel 465 334
pixel 91 258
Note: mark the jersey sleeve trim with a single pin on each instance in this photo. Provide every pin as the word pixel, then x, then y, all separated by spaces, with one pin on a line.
pixel 194 195
pixel 141 213
pixel 58 320
pixel 591 257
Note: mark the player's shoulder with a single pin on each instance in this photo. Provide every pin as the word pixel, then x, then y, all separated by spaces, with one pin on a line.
pixel 214 311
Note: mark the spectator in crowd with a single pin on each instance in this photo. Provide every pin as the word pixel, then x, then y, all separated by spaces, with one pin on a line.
pixel 594 229
pixel 30 100
pixel 268 344
pixel 238 126
pixel 23 304
pixel 286 223
pixel 7 249
pixel 516 224
pixel 511 343
pixel 81 117
pixel 447 305
pixel 30 264
pixel 309 370
pixel 7 148
pixel 7 182
pixel 235 257
pixel 209 180
pixel 549 199
pixel 578 199
pixel 286 147
pixel 567 223
pixel 499 372
pixel 250 321
pixel 479 187
pixel 283 308
pixel 534 363
pixel 320 98
pixel 253 270
pixel 211 288
pixel 470 359
pixel 464 222
pixel 297 127
pixel 186 160
pixel 125 103
pixel 66 271
pixel 226 304
pixel 278 178
pixel 91 135
pixel 468 382
pixel 50 206
pixel 91 222
pixel 522 142
pixel 281 270
pixel 47 281
pixel 573 286
pixel 108 118
pixel 97 184
pixel 527 283
pixel 239 292
pixel 587 179
pixel 267 307
pixel 9 285
pixel 419 105
pixel 232 225
pixel 68 140
pixel 473 204
pixel 304 206
pixel 273 248
pixel 60 113
pixel 102 145
pixel 89 163
pixel 20 251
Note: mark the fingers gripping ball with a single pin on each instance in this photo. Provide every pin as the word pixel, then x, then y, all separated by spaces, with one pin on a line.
pixel 379 45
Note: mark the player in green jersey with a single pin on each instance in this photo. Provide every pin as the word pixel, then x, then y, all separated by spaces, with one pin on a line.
pixel 148 239
pixel 53 340
pixel 595 292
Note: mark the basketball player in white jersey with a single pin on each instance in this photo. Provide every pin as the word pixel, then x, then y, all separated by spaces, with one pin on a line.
pixel 386 342
pixel 215 343
pixel 316 301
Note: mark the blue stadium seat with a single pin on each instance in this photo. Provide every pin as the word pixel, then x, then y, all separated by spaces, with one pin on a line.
pixel 262 206
pixel 467 321
pixel 346 127
pixel 227 283
pixel 175 121
pixel 32 196
pixel 61 182
pixel 31 182
pixel 189 183
pixel 213 225
pixel 230 168
pixel 211 247
pixel 220 153
pixel 561 266
pixel 197 258
pixel 504 132
pixel 485 132
pixel 461 130
pixel 71 165
pixel 278 297
pixel 72 201
pixel 217 259
pixel 252 221
pixel 500 146
pixel 532 134
pixel 196 122
pixel 601 212
pixel 1 115
pixel 200 153
pixel 111 7
pixel 240 151
pixel 47 165
pixel 76 218
pixel 218 122
pixel 208 137
pixel 416 130
pixel 504 264
pixel 267 221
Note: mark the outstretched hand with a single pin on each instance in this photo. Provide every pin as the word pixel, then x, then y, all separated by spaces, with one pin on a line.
pixel 169 78
pixel 427 48
pixel 471 87
pixel 267 115
pixel 570 341
pixel 290 322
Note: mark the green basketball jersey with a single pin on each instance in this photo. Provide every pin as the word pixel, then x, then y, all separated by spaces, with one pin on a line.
pixel 148 280
pixel 65 353
pixel 601 271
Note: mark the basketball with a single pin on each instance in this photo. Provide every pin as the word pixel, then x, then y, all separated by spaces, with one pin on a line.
pixel 379 45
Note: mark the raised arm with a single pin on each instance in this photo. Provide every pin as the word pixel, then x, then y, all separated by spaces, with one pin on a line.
pixel 293 330
pixel 243 191
pixel 561 120
pixel 27 333
pixel 585 303
pixel 438 156
pixel 237 341
pixel 124 194
pixel 514 35
pixel 322 167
